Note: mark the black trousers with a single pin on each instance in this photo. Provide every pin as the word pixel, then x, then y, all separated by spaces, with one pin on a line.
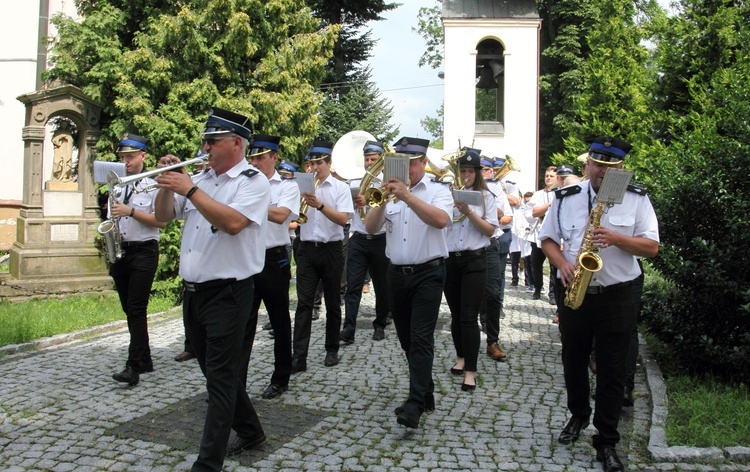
pixel 415 303
pixel 465 281
pixel 133 276
pixel 610 318
pixel 318 262
pixel 537 268
pixel 365 254
pixel 272 288
pixel 217 321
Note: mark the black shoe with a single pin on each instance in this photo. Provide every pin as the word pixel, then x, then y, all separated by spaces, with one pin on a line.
pixel 572 431
pixel 409 418
pixel 455 371
pixel 378 334
pixel 346 336
pixel 184 356
pixel 514 283
pixel 627 399
pixel 146 367
pixel 429 404
pixel 536 296
pixel 266 326
pixel 610 462
pixel 128 376
pixel 271 334
pixel 274 390
pixel 332 358
pixel 316 314
pixel 468 388
pixel 238 444
pixel 298 365
pixel 552 300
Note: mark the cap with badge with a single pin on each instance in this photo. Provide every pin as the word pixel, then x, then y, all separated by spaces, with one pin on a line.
pixel 565 170
pixel 470 158
pixel 222 121
pixel 414 147
pixel 486 162
pixel 263 143
pixel 608 150
pixel 132 143
pixel 373 147
pixel 288 167
pixel 319 150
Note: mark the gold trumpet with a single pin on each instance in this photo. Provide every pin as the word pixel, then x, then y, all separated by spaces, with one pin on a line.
pixel 302 219
pixel 374 196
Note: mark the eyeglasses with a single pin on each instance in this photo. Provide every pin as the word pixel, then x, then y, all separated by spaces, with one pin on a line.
pixel 213 141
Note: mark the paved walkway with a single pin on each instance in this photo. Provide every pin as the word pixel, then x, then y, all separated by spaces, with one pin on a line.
pixel 61 411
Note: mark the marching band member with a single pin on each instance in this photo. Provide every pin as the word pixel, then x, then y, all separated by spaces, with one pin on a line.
pixel 134 273
pixel 416 247
pixel 320 256
pixel 366 252
pixel 627 231
pixel 222 249
pixel 466 267
pixel 272 284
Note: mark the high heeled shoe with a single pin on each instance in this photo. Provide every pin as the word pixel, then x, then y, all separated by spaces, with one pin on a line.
pixel 467 387
pixel 455 371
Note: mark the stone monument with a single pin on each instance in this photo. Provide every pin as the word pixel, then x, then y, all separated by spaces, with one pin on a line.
pixel 54 251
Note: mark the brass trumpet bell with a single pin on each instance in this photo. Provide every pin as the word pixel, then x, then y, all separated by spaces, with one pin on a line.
pixel 375 197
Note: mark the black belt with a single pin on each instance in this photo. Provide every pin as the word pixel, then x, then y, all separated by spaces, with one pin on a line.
pixel 276 251
pixel 127 244
pixel 598 289
pixel 200 286
pixel 319 244
pixel 368 236
pixel 476 252
pixel 413 269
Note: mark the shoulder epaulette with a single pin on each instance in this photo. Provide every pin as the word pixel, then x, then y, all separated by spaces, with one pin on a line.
pixel 635 188
pixel 510 182
pixel 249 172
pixel 491 180
pixel 441 182
pixel 567 191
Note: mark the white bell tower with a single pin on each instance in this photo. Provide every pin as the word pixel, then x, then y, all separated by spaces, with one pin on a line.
pixel 492 80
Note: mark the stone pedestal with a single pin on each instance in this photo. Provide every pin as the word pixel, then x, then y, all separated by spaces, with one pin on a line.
pixel 55 250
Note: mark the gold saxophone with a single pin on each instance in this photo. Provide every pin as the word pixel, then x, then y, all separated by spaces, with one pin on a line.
pixel 588 261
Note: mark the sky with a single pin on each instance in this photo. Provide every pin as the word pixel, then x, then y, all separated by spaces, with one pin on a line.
pixel 414 92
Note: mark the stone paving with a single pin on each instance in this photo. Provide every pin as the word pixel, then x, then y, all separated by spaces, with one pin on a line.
pixel 61 411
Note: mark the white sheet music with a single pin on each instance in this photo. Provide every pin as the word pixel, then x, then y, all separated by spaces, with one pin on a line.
pixel 614 185
pixel 102 168
pixel 396 167
pixel 470 197
pixel 305 182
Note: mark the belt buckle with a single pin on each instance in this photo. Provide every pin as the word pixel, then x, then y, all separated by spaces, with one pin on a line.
pixel 457 253
pixel 189 286
pixel 408 270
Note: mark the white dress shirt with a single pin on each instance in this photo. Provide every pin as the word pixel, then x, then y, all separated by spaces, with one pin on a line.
pixel 131 229
pixel 463 235
pixel 284 194
pixel 336 195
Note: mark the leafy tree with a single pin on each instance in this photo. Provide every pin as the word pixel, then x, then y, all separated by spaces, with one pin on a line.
pixel 265 61
pixel 359 108
pixel 430 27
pixel 434 126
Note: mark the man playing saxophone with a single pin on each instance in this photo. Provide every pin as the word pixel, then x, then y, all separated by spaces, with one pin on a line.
pixel 625 231
pixel 134 273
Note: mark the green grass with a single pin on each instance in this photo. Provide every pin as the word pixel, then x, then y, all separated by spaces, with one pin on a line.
pixel 707 413
pixel 24 322
pixel 702 411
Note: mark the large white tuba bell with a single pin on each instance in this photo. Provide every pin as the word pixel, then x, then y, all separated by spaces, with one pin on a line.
pixel 347 157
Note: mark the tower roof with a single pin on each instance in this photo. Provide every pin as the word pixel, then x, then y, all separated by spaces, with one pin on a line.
pixel 490 9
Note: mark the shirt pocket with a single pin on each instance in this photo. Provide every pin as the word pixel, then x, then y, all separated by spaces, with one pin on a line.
pixel 623 224
pixel 142 202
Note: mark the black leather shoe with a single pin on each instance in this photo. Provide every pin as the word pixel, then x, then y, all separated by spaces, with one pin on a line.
pixel 572 431
pixel 627 399
pixel 332 358
pixel 184 356
pixel 267 326
pixel 409 418
pixel 610 462
pixel 274 390
pixel 239 444
pixel 378 334
pixel 146 367
pixel 346 336
pixel 128 376
pixel 316 314
pixel 299 365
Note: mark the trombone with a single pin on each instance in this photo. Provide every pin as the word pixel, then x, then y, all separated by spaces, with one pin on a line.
pixel 117 183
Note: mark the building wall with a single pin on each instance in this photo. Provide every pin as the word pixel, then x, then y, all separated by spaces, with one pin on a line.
pixel 20 36
pixel 521 124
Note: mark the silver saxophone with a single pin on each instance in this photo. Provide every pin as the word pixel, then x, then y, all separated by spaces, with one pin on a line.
pixel 110 231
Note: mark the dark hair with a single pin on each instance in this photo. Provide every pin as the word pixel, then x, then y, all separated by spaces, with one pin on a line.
pixel 479 182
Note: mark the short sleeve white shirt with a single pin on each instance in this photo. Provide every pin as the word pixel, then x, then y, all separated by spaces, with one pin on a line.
pixel 463 235
pixel 142 201
pixel 332 193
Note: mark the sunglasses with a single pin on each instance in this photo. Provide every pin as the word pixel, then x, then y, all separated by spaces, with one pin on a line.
pixel 213 141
